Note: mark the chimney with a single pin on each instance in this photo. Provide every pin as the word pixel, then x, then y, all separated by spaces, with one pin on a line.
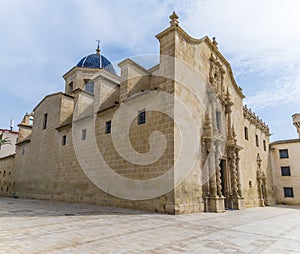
pixel 296 122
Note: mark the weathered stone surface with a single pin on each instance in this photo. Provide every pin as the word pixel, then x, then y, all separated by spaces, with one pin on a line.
pixel 7 176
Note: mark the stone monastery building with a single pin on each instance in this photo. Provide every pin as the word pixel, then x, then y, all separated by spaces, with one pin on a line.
pixel 175 138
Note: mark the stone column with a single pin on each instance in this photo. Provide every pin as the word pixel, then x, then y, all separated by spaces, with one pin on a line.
pixel 212 175
pixel 219 181
pixel 238 174
pixel 260 195
pixel 237 201
pixel 218 174
pixel 213 116
pixel 234 178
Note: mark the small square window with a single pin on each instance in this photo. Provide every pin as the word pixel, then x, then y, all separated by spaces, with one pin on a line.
pixel 256 141
pixel 246 133
pixel 108 127
pixel 64 140
pixel 288 192
pixel 285 171
pixel 142 117
pixel 283 153
pixel 83 134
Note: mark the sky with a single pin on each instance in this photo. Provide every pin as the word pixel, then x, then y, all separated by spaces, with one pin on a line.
pixel 41 40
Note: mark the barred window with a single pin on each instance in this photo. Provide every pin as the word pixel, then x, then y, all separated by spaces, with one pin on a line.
pixel 288 192
pixel 283 153
pixel 285 171
pixel 142 117
pixel 108 127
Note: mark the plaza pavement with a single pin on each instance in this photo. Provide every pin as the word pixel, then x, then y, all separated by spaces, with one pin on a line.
pixel 34 226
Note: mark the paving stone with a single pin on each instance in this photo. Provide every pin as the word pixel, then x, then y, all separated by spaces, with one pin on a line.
pixel 36 226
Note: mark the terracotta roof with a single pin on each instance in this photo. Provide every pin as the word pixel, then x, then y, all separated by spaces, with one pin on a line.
pixel 5 130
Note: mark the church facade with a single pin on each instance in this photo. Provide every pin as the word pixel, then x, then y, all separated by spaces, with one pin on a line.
pixel 175 138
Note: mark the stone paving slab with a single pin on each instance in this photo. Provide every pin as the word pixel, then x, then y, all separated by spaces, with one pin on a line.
pixel 36 226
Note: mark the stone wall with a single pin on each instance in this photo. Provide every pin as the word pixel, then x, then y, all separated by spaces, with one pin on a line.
pixel 7 176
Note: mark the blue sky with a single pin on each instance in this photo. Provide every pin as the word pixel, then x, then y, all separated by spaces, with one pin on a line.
pixel 42 40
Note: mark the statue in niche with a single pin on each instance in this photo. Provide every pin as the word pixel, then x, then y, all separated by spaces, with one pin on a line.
pixel 216 75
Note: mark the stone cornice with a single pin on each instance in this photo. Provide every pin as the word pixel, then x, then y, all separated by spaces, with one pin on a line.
pixel 154 68
pixel 8 156
pixel 286 141
pixel 129 61
pixel 107 108
pixel 64 126
pixel 24 141
pixel 50 95
pixel 77 69
pixel 254 119
pixel 26 126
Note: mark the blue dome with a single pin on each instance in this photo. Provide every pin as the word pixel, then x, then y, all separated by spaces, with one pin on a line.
pixel 96 61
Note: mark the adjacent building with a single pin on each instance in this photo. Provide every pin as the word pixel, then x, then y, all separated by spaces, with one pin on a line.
pixel 7 163
pixel 8 149
pixel 285 163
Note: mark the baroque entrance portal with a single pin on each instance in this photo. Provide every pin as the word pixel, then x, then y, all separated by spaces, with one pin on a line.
pixel 223 189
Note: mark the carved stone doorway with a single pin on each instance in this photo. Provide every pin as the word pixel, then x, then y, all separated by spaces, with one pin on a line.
pixel 225 182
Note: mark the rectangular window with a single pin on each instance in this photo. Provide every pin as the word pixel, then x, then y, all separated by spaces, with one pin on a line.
pixel 285 171
pixel 218 120
pixel 288 192
pixel 283 153
pixel 264 144
pixel 64 140
pixel 256 141
pixel 246 133
pixel 142 117
pixel 83 134
pixel 89 87
pixel 108 127
pixel 45 119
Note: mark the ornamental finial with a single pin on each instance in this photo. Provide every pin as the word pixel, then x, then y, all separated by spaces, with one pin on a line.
pixel 174 19
pixel 98 47
pixel 215 42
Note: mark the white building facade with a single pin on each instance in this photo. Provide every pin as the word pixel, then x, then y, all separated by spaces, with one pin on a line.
pixel 285 164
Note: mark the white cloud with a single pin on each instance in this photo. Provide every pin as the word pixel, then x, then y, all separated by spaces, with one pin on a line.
pixel 260 37
pixel 283 91
pixel 40 40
